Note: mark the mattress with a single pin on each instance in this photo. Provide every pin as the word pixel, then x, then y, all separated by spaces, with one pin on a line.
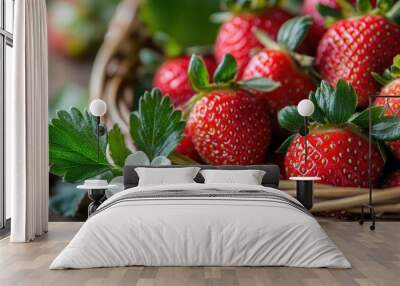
pixel 201 225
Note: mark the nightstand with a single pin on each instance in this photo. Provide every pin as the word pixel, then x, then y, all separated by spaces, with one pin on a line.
pixel 304 190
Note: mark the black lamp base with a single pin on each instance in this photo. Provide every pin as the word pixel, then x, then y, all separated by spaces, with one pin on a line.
pixel 372 214
pixel 304 193
pixel 97 196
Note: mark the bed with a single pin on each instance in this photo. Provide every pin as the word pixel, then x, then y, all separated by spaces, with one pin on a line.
pixel 197 224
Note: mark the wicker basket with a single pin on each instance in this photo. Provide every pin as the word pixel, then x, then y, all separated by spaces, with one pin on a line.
pixel 113 76
pixel 349 200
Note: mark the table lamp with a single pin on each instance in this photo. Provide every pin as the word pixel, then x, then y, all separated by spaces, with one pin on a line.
pixel 305 109
pixel 98 108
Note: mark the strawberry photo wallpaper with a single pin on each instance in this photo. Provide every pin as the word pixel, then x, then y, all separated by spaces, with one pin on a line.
pixel 218 82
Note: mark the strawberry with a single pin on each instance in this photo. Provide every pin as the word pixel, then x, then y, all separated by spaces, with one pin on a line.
pixel 230 127
pixel 171 78
pixel 236 35
pixel 310 7
pixel 186 146
pixel 391 81
pixel 279 62
pixel 354 47
pixel 338 155
pixel 228 123
pixel 337 144
pixel 392 180
pixel 318 27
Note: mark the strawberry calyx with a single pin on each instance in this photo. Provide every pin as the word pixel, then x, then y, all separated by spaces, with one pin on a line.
pixel 336 108
pixel 290 36
pixel 385 8
pixel 224 78
pixel 389 74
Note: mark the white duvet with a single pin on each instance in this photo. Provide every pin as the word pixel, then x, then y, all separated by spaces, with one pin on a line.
pixel 200 231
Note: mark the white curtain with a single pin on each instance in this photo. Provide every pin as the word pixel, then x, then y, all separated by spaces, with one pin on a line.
pixel 26 124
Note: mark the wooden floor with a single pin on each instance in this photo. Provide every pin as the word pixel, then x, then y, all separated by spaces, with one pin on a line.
pixel 375 257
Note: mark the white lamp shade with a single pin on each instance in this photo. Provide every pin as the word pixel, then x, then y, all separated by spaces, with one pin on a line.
pixel 305 107
pixel 98 107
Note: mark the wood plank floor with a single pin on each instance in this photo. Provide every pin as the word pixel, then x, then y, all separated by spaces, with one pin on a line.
pixel 375 257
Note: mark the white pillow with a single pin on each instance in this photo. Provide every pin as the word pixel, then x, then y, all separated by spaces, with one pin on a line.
pixel 166 176
pixel 248 177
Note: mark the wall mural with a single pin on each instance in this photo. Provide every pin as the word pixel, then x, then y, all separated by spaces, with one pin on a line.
pixel 218 82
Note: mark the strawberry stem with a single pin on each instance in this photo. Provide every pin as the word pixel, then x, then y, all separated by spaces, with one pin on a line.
pixel 304 61
pixel 266 40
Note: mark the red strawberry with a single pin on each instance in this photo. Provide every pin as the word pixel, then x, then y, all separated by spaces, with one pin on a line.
pixel 393 109
pixel 186 146
pixel 353 48
pixel 171 78
pixel 236 35
pixel 229 125
pixel 277 63
pixel 318 27
pixel 338 156
pixel 391 81
pixel 337 144
pixel 392 180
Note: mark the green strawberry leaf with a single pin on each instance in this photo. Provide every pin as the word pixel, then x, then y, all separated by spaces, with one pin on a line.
pixel 364 6
pixel 258 84
pixel 321 99
pixel 386 129
pixel 73 147
pixel 293 32
pixel 383 5
pixel 65 200
pixel 226 70
pixel 318 114
pixel 184 23
pixel 343 104
pixel 389 74
pixel 382 79
pixel 396 63
pixel 327 11
pixel 337 105
pixel 285 145
pixel 362 119
pixel 198 74
pixel 382 150
pixel 118 149
pixel 394 13
pixel 156 127
pixel 290 119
